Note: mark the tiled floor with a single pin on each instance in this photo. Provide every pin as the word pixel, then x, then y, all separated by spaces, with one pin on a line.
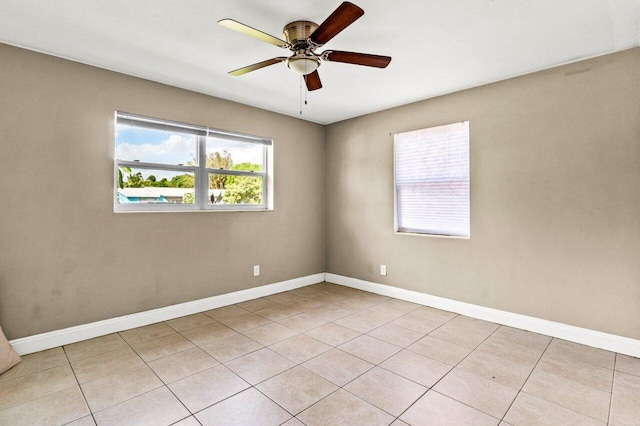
pixel 323 355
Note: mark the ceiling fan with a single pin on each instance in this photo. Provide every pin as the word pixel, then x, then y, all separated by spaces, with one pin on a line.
pixel 303 38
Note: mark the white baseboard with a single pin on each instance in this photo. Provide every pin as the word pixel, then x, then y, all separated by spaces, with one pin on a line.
pixel 610 342
pixel 40 342
pixel 597 339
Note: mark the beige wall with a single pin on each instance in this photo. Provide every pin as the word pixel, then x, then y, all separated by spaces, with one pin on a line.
pixel 555 178
pixel 555 197
pixel 67 259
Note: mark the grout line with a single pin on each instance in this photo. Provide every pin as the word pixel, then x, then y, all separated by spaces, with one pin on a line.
pixel 75 376
pixel 526 380
pixel 613 381
pixel 452 368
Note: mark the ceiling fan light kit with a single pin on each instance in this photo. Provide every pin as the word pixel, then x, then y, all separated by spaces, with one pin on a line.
pixel 303 38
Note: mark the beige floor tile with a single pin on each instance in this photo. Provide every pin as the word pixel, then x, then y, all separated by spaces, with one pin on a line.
pixel 581 372
pixel 344 409
pixel 563 349
pixel 416 367
pixel 284 297
pixel 627 386
pixel 397 306
pixel 307 291
pixel 163 346
pixel 354 304
pixel 399 423
pixel 256 304
pixel 305 304
pixel 333 334
pixel 370 349
pixel 386 390
pixel 208 387
pixel 522 337
pixel 440 350
pixel 371 297
pixel 206 334
pixel 36 362
pixel 365 321
pixel 465 331
pixel 331 312
pixel 189 321
pixel 189 421
pixel 231 347
pixel 302 322
pixel 249 407
pixel 436 409
pixel 225 312
pixel 569 394
pixel 148 332
pixel 624 363
pixel 27 388
pixel 158 407
pixel 330 297
pixel 300 348
pixel 57 408
pixel 497 369
pixel 296 389
pixel 270 333
pixel 415 322
pixel 293 422
pixel 119 387
pixel 477 392
pixel 278 312
pixel 338 367
pixel 182 364
pixel 260 365
pixel 105 364
pixel 396 335
pixel 245 322
pixel 84 421
pixel 511 352
pixel 528 410
pixel 624 411
pixel 437 315
pixel 92 347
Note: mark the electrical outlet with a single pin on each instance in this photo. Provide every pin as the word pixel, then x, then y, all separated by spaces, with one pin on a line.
pixel 383 270
pixel 256 270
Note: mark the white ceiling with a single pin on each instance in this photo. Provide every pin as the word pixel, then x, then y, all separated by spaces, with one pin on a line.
pixel 438 46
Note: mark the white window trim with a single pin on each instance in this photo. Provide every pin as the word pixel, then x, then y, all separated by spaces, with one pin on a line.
pixel 200 173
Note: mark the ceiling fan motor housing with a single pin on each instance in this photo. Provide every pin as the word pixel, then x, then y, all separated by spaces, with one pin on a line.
pixel 297 34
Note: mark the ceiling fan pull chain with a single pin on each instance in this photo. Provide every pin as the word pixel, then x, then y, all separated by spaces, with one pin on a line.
pixel 301 78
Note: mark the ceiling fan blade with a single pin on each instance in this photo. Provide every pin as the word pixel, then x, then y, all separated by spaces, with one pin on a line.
pixel 345 15
pixel 257 66
pixel 313 81
pixel 252 32
pixel 356 58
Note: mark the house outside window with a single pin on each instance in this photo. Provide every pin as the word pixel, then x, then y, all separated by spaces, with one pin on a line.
pixel 431 168
pixel 163 165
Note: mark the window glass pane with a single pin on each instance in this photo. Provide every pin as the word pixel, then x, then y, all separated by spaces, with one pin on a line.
pixel 233 155
pixel 154 186
pixel 154 146
pixel 432 180
pixel 231 189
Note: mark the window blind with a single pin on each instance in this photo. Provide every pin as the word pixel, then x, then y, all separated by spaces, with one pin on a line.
pixel 432 180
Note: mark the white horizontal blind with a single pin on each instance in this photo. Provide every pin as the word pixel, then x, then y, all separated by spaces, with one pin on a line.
pixel 432 180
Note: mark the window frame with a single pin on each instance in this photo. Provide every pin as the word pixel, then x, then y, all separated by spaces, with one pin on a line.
pixel 200 171
pixel 428 231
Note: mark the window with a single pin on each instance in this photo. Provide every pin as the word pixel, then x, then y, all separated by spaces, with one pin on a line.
pixel 169 166
pixel 432 180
